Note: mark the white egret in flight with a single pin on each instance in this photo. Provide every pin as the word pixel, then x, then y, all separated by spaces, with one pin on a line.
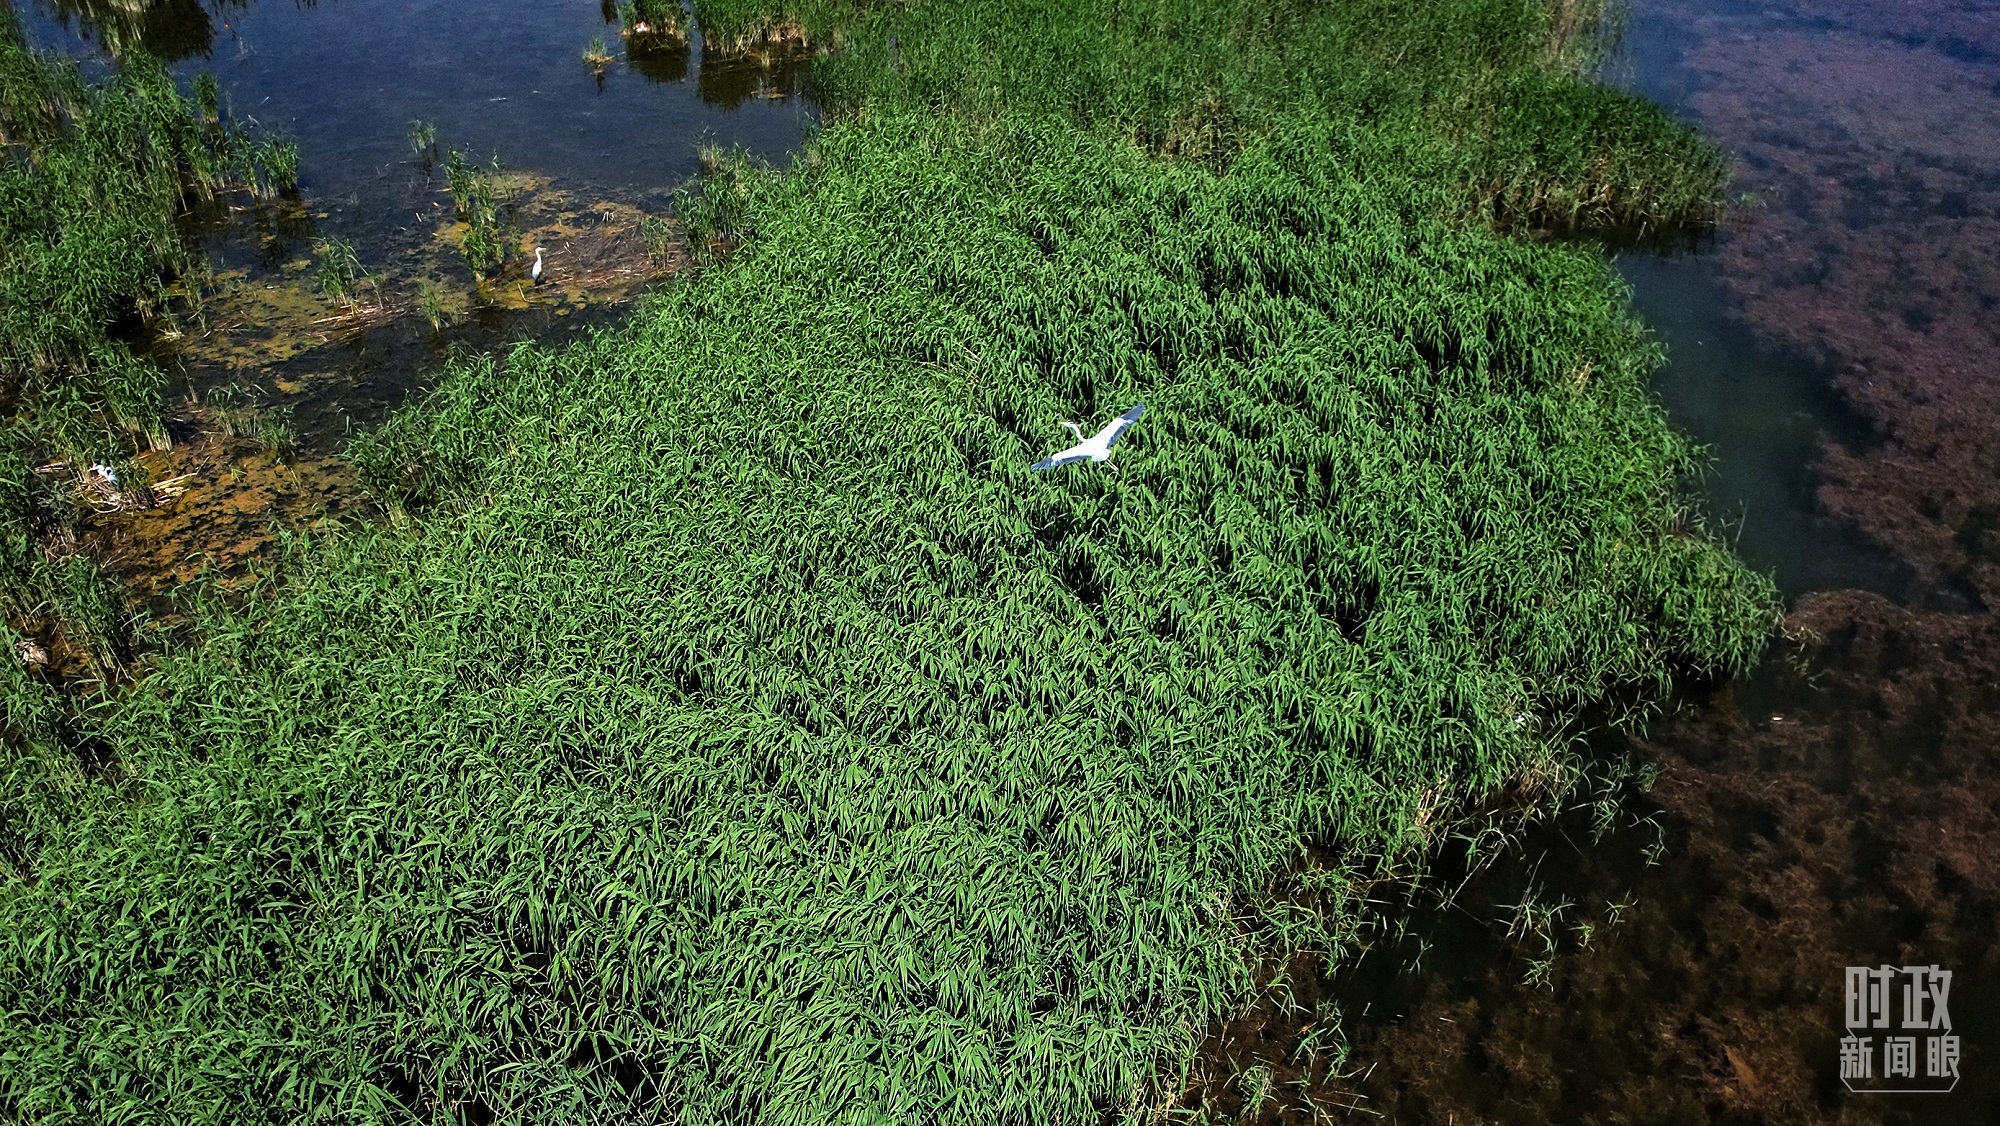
pixel 1095 448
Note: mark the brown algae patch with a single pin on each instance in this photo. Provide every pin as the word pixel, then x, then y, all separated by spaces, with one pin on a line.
pixel 595 255
pixel 262 340
pixel 232 500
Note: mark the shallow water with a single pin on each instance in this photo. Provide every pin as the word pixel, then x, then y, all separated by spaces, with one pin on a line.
pixel 587 157
pixel 345 78
pixel 1763 415
pixel 1836 350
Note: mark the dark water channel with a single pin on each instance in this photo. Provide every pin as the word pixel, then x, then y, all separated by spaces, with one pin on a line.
pixel 1836 348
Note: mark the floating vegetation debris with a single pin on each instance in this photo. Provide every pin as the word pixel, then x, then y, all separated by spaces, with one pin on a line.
pixel 596 56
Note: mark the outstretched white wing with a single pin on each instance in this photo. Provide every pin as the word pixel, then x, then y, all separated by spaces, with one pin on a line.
pixel 1069 456
pixel 1119 426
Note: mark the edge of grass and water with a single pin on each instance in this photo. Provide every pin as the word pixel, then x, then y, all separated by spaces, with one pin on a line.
pixel 730 728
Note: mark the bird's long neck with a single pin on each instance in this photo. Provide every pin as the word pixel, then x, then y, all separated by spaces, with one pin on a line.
pixel 1075 429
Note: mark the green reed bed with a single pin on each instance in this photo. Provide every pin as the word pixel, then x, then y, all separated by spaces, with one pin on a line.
pixel 732 729
pixel 91 181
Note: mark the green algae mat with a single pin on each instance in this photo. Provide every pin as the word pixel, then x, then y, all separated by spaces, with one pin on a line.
pixel 731 728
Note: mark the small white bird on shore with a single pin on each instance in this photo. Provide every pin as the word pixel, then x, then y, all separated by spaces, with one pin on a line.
pixel 535 275
pixel 1094 448
pixel 109 474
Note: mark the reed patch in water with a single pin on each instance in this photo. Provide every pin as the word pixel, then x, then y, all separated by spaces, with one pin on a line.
pixel 653 25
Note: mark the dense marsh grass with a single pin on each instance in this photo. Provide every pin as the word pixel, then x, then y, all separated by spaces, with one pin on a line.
pixel 737 731
pixel 649 25
pixel 1493 94
pixel 91 182
pixel 89 188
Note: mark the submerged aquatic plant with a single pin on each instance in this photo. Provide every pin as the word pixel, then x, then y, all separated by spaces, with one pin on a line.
pixel 423 138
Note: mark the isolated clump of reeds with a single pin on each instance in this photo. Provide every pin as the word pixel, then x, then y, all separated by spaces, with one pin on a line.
pixel 235 410
pixel 430 302
pixel 423 139
pixel 597 56
pixel 339 269
pixel 712 211
pixel 476 198
pixel 652 25
pixel 275 165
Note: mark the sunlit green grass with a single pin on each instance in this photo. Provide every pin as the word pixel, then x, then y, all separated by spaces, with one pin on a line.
pixel 731 728
pixel 93 177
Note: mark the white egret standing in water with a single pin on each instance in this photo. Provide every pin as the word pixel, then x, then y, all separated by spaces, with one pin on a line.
pixel 535 275
pixel 1095 448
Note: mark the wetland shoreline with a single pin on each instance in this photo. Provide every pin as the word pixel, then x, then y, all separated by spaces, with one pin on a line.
pixel 526 469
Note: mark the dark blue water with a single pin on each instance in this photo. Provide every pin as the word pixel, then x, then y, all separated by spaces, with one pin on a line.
pixel 497 77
